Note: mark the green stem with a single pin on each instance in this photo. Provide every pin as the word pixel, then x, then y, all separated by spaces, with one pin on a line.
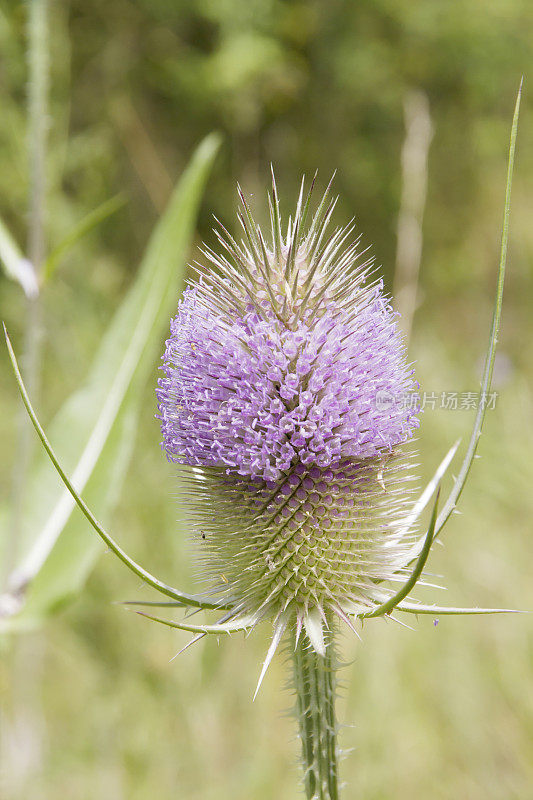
pixel 38 77
pixel 314 678
pixel 38 127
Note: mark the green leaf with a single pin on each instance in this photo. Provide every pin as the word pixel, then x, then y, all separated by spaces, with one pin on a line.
pixel 89 431
pixel 84 226
pixel 15 265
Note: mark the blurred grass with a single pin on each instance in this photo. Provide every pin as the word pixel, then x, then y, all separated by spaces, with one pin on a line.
pixel 441 712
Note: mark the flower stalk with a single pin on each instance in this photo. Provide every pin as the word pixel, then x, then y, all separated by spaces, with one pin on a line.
pixel 315 686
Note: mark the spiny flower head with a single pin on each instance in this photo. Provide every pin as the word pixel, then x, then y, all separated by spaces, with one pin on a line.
pixel 297 484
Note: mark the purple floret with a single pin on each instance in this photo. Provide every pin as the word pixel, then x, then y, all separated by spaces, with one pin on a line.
pixel 254 396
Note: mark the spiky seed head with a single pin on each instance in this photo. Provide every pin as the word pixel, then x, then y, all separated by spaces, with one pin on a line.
pixel 294 471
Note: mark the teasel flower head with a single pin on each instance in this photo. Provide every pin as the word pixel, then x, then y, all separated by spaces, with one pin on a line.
pixel 280 358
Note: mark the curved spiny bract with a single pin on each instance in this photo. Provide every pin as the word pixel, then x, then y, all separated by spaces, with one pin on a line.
pixel 283 398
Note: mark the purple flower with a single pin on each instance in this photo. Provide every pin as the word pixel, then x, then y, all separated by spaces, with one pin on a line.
pixel 273 371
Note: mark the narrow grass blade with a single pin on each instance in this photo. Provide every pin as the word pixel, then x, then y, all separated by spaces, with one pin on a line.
pixel 455 493
pixel 84 226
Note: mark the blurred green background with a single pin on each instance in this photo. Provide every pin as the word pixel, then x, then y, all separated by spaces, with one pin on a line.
pixel 92 706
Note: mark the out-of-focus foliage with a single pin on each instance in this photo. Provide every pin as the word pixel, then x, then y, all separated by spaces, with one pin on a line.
pixel 95 428
pixel 443 712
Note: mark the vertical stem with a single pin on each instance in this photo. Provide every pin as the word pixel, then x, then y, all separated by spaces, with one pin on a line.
pixel 418 135
pixel 314 679
pixel 37 135
pixel 27 657
pixel 38 125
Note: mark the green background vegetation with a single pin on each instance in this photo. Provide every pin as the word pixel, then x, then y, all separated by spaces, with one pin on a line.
pixel 92 706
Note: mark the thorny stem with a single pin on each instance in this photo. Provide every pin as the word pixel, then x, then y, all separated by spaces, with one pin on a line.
pixel 315 684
